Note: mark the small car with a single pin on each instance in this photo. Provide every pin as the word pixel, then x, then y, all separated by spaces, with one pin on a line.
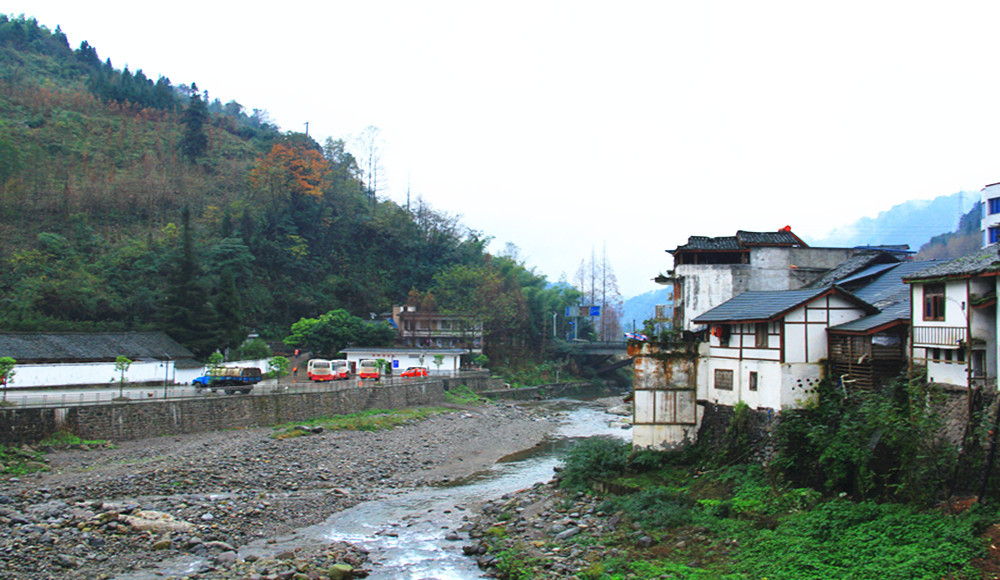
pixel 415 372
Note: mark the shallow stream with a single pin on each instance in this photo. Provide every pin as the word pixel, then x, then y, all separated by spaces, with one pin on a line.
pixel 406 533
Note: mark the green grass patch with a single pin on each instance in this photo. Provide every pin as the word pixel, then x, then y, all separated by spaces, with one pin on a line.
pixel 370 420
pixel 62 439
pixel 21 461
pixel 463 395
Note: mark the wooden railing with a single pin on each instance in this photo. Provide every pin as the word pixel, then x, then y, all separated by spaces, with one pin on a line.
pixel 938 335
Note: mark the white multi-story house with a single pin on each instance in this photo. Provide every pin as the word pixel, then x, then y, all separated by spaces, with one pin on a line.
pixel 671 380
pixel 708 271
pixel 954 320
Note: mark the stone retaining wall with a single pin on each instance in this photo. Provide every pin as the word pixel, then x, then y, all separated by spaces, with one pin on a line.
pixel 139 419
pixel 555 390
pixel 953 409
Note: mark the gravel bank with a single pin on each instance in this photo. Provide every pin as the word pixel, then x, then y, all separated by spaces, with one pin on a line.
pixel 104 513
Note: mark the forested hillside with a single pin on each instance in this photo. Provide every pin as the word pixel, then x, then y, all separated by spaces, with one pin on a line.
pixel 128 203
pixel 966 239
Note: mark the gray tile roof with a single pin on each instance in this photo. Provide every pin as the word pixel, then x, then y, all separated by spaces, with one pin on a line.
pixel 760 305
pixel 981 262
pixel 741 241
pixel 778 238
pixel 852 266
pixel 706 243
pixel 895 313
pixel 34 348
pixel 882 286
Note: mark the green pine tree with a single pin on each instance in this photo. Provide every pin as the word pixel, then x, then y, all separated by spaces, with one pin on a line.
pixel 194 142
pixel 186 315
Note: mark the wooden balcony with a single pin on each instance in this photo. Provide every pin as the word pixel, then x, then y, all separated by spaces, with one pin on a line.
pixel 945 336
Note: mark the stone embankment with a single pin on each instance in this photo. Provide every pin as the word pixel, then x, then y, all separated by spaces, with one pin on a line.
pixel 123 510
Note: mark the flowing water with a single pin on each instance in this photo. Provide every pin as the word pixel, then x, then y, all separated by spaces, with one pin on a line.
pixel 406 533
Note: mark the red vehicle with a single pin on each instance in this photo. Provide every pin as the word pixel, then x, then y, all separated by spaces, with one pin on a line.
pixel 415 372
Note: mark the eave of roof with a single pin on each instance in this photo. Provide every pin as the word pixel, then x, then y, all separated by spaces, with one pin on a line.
pixel 765 306
pixel 983 262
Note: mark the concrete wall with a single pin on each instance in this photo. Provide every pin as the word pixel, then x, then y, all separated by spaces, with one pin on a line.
pixel 665 410
pixel 142 419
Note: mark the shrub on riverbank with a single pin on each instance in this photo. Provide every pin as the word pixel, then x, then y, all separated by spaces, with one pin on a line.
pixel 690 518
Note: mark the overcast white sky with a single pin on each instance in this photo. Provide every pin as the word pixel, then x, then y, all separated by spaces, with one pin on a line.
pixel 568 127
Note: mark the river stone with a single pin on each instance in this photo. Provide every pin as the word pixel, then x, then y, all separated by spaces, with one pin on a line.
pixel 156 522
pixel 340 572
pixel 163 544
pixel 225 559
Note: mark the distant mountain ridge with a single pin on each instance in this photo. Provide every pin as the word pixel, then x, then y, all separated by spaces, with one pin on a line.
pixel 640 308
pixel 913 223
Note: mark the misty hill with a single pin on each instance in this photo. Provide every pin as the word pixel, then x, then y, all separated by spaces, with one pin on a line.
pixel 913 223
pixel 642 307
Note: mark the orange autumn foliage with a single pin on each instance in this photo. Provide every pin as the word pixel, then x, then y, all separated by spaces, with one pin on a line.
pixel 302 170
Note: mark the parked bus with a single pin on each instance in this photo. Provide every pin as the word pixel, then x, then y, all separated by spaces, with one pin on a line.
pixel 319 369
pixel 368 369
pixel 341 370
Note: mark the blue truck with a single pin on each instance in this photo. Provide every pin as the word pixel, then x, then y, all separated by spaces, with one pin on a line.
pixel 229 379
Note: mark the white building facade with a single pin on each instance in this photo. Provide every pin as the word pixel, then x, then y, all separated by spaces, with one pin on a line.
pixel 766 349
pixel 991 214
pixel 401 358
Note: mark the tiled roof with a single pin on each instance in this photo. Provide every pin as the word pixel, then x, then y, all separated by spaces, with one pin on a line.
pixel 740 241
pixel 778 238
pixel 852 266
pixel 706 243
pixel 27 347
pixel 762 305
pixel 897 312
pixel 984 261
pixel 883 287
pixel 877 286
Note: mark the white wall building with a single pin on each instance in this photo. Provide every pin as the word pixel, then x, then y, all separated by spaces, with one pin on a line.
pixel 991 214
pixel 401 358
pixel 954 322
pixel 709 271
pixel 766 349
pixel 65 359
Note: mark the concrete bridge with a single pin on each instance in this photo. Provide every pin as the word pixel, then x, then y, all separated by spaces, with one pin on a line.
pixel 592 348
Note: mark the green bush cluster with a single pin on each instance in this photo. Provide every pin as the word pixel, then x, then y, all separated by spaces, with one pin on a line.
pixel 881 444
pixel 594 459
pixel 712 519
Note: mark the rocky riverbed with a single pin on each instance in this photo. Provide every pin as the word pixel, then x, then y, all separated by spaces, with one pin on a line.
pixel 122 509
